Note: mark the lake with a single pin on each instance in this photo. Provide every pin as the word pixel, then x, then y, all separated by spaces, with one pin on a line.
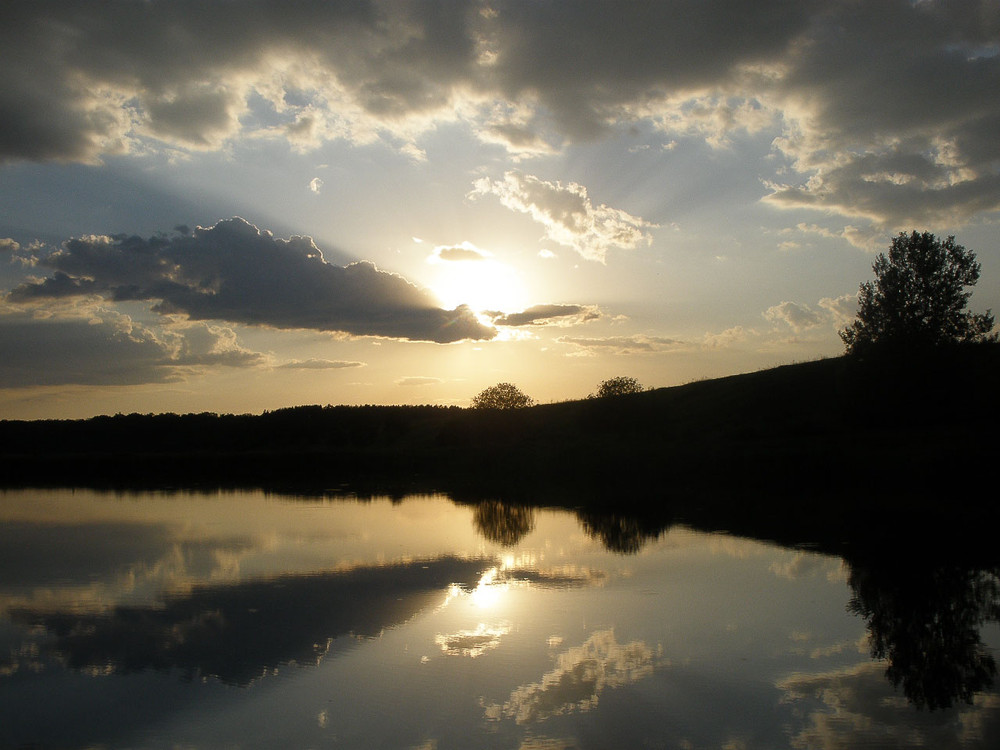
pixel 246 619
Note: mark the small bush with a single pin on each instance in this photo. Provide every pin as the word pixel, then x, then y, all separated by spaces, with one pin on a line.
pixel 619 386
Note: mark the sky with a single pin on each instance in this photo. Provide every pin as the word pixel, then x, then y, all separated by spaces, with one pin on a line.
pixel 240 206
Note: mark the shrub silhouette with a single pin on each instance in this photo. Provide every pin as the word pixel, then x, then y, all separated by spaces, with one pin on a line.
pixel 501 396
pixel 619 386
pixel 918 298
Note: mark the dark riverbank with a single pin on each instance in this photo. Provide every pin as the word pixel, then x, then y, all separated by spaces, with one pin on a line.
pixel 828 448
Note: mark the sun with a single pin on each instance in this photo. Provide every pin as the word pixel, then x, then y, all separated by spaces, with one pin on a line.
pixel 483 284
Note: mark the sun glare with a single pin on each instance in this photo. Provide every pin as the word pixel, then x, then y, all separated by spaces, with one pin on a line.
pixel 484 284
pixel 487 593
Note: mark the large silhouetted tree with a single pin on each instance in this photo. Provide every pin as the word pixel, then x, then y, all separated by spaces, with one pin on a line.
pixel 918 298
pixel 501 396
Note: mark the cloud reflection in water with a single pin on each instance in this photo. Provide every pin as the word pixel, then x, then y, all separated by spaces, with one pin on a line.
pixel 582 673
pixel 472 643
pixel 239 632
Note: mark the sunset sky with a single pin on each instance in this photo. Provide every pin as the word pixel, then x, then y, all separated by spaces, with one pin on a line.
pixel 239 206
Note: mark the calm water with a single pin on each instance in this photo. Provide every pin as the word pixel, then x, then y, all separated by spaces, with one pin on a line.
pixel 248 620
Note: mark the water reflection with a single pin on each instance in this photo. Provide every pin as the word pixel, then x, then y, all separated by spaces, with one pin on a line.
pixel 625 535
pixel 503 523
pixel 926 622
pixel 239 632
pixel 426 623
pixel 472 643
pixel 581 674
pixel 851 711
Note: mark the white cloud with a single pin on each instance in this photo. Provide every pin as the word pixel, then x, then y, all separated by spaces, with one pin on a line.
pixel 726 338
pixel 464 251
pixel 856 707
pixel 796 315
pixel 869 240
pixel 316 185
pixel 581 675
pixel 320 364
pixel 567 213
pixel 843 309
pixel 418 380
pixel 832 312
pixel 634 344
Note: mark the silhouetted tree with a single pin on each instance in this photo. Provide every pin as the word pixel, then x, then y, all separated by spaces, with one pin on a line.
pixel 501 396
pixel 619 386
pixel 918 297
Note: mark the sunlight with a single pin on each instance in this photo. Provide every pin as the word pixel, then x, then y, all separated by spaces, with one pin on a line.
pixel 487 593
pixel 484 284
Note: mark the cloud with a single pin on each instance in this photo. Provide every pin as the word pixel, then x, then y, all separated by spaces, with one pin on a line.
pixel 842 309
pixel 472 643
pixel 806 565
pixel 888 109
pixel 562 315
pixel 567 213
pixel 237 273
pixel 465 251
pixel 726 338
pixel 416 380
pixel 868 240
pixel 19 254
pixel 316 185
pixel 580 676
pixel 836 312
pixel 796 315
pixel 637 344
pixel 883 111
pixel 94 345
pixel 319 364
pixel 856 707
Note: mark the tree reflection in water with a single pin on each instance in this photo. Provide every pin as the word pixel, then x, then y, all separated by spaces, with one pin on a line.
pixel 503 523
pixel 925 621
pixel 625 535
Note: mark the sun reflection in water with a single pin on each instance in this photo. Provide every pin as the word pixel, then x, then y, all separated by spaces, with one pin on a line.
pixel 487 593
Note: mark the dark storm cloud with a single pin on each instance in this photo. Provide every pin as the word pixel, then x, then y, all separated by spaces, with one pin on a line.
pixel 885 110
pixel 235 272
pixel 586 59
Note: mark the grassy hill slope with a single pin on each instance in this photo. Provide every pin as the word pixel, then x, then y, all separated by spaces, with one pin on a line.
pixel 899 425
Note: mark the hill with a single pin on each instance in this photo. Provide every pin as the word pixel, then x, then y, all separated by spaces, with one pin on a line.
pixel 898 435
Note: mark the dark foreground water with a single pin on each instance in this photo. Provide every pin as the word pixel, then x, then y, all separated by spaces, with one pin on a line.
pixel 248 620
